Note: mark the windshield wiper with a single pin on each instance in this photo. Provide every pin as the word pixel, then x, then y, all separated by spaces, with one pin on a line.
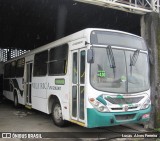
pixel 111 58
pixel 134 58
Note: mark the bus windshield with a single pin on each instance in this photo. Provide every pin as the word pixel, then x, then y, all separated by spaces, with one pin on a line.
pixel 123 77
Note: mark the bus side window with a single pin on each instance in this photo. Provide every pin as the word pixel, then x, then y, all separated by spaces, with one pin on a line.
pixel 7 70
pixel 58 60
pixel 13 69
pixel 74 77
pixel 82 67
pixel 20 67
pixel 40 63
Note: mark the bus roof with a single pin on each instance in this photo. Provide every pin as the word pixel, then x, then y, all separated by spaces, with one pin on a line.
pixel 80 34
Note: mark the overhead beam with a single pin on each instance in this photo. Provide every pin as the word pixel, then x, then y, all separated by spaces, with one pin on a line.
pixel 133 6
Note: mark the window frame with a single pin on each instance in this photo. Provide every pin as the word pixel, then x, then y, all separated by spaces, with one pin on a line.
pixel 63 59
pixel 34 64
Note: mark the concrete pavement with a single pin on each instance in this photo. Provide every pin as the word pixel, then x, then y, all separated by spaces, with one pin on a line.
pixel 25 120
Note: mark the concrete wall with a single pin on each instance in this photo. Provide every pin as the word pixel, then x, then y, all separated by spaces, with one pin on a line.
pixel 150 31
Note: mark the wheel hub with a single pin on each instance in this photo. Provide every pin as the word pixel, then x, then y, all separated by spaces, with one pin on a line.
pixel 58 112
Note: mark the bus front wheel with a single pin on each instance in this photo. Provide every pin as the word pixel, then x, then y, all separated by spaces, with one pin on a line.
pixel 57 114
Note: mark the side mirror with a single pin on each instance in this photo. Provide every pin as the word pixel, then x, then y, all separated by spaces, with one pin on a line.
pixel 90 56
pixel 151 59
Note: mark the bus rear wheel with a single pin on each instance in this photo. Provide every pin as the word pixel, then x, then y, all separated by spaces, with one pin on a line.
pixel 57 114
pixel 16 101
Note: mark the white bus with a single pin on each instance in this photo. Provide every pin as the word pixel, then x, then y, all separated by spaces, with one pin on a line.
pixel 94 78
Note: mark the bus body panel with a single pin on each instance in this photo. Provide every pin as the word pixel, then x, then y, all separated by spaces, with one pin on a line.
pixel 37 104
pixel 15 86
pixel 61 91
pixel 8 95
pixel 109 119
pixel 39 87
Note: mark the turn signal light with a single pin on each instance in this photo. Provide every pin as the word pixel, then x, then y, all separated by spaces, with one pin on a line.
pixel 145 116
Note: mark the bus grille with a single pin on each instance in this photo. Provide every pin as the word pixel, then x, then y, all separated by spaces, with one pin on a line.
pixel 129 108
pixel 124 100
pixel 125 117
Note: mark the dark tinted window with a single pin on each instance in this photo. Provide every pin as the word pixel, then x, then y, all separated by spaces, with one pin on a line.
pixel 58 60
pixel 58 67
pixel 6 85
pixel 13 69
pixel 7 70
pixel 40 63
pixel 59 53
pixel 20 68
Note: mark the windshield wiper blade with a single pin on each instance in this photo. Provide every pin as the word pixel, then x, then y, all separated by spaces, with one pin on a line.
pixel 134 58
pixel 110 57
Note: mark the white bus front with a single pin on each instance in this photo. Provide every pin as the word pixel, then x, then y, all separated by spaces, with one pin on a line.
pixel 118 89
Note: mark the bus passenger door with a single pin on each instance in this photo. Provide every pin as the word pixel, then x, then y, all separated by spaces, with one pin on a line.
pixel 78 83
pixel 28 83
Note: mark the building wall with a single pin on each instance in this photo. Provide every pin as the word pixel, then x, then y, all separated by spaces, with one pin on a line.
pixel 150 31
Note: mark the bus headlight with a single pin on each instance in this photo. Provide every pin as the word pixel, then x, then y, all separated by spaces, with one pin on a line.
pixel 98 105
pixel 146 104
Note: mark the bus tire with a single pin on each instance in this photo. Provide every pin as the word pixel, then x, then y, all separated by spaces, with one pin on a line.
pixel 16 101
pixel 57 114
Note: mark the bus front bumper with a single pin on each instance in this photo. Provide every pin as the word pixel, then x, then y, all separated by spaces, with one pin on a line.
pixel 99 119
